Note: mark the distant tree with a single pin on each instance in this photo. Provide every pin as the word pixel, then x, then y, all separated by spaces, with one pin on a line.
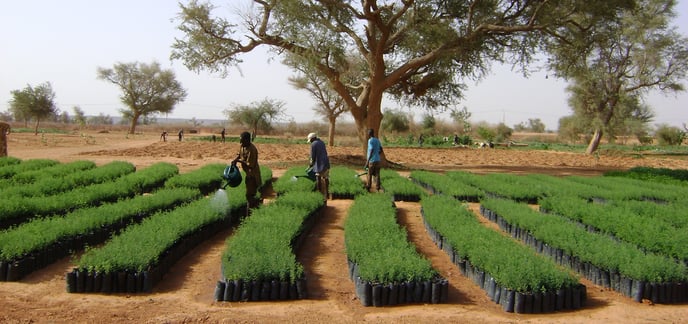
pixel 330 104
pixel 461 117
pixel 257 115
pixel 64 118
pixel 79 116
pixel 429 123
pixel 34 103
pixel 486 133
pixel 572 127
pixel 5 116
pixel 669 135
pixel 503 132
pixel 536 125
pixel 195 122
pixel 609 61
pixel 101 119
pixel 395 120
pixel 146 89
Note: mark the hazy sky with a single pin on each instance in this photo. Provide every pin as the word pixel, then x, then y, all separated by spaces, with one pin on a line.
pixel 64 42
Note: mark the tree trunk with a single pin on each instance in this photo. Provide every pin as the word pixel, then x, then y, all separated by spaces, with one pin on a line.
pixel 594 142
pixel 35 130
pixel 330 132
pixel 134 122
pixel 4 129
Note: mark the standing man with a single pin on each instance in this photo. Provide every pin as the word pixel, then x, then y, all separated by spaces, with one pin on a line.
pixel 373 160
pixel 248 158
pixel 320 163
pixel 181 134
pixel 222 134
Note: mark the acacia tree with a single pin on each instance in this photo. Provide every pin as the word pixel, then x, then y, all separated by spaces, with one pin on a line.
pixel 33 103
pixel 257 115
pixel 613 63
pixel 418 52
pixel 146 89
pixel 330 104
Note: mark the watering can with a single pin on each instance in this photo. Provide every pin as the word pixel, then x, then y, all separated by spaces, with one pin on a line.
pixel 232 175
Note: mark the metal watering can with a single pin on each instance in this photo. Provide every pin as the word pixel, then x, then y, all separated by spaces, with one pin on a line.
pixel 232 175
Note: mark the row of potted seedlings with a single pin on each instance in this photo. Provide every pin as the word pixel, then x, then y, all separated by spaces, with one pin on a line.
pixel 259 263
pixel 53 185
pixel 33 245
pixel 401 189
pixel 58 171
pixel 385 268
pixel 602 259
pixel 137 259
pixel 9 166
pixel 511 274
pixel 649 233
pixel 121 183
pixel 440 184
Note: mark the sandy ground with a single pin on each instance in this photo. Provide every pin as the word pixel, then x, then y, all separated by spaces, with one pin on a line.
pixel 186 295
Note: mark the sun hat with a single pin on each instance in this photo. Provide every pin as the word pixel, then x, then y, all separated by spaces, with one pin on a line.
pixel 311 136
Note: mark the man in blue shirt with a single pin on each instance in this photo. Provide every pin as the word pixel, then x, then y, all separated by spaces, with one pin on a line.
pixel 320 164
pixel 373 161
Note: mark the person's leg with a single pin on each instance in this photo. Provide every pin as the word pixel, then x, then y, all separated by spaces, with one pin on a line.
pixel 323 182
pixel 369 178
pixel 251 191
pixel 375 169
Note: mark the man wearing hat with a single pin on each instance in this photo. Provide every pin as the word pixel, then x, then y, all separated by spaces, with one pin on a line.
pixel 248 159
pixel 320 164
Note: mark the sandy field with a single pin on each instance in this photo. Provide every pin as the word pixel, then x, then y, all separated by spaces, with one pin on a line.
pixel 186 295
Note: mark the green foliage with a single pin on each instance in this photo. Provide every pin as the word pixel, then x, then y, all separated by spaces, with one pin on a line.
pixel 294 179
pixel 259 115
pixel 41 233
pixel 600 250
pixel 670 135
pixel 262 247
pixel 35 103
pixel 486 133
pixel 379 246
pixel 345 182
pixel 513 265
pixel 140 247
pixel 396 121
pixel 147 89
pixel 207 178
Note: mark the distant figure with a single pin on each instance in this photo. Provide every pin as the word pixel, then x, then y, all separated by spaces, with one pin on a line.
pixel 181 134
pixel 4 130
pixel 420 140
pixel 456 140
pixel 163 136
pixel 222 135
pixel 213 138
pixel 320 164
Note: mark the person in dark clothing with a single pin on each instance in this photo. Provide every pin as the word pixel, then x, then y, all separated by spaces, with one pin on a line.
pixel 320 164
pixel 181 134
pixel 248 158
pixel 222 135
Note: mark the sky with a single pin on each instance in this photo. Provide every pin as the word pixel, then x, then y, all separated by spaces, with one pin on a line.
pixel 64 42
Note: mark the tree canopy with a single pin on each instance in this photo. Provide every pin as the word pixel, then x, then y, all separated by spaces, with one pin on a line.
pixel 257 115
pixel 420 53
pixel 35 103
pixel 613 63
pixel 146 89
